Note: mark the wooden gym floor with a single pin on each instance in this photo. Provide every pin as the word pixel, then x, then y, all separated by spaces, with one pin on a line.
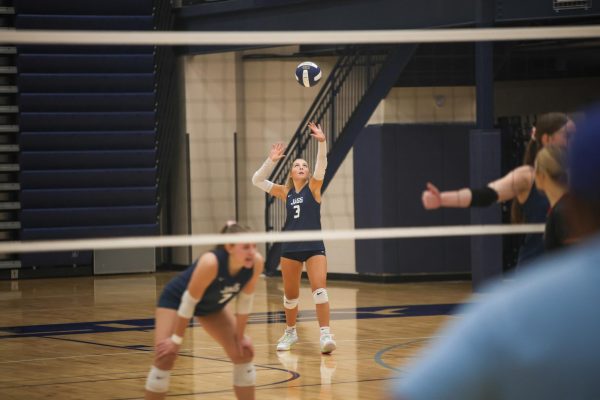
pixel 90 338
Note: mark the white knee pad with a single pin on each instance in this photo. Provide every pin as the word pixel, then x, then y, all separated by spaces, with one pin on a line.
pixel 244 374
pixel 320 296
pixel 290 304
pixel 158 380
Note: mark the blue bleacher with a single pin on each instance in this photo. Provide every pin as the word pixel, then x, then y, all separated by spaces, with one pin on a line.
pixel 78 63
pixel 88 120
pixel 88 231
pixel 87 178
pixel 92 216
pixel 88 7
pixel 40 121
pixel 42 160
pixel 87 140
pixel 85 83
pixel 81 49
pixel 64 102
pixel 88 197
pixel 84 22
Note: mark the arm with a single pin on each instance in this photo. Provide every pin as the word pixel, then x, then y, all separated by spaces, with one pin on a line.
pixel 204 274
pixel 243 307
pixel 316 181
pixel 432 198
pixel 245 299
pixel 259 179
pixel 516 183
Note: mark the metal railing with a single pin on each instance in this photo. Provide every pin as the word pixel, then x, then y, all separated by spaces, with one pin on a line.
pixel 167 106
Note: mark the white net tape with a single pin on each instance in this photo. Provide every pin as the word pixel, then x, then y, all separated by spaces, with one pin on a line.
pixel 297 236
pixel 21 36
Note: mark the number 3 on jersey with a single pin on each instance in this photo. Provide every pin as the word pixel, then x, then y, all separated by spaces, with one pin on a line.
pixel 297 207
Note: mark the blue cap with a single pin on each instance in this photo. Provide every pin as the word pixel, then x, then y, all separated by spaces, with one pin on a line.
pixel 584 157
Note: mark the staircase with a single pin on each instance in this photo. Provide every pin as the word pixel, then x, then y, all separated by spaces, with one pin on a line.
pixel 90 121
pixel 346 101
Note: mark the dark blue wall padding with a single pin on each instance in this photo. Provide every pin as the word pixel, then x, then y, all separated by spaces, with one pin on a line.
pixel 59 198
pixel 57 258
pixel 64 102
pixel 81 83
pixel 82 49
pixel 121 23
pixel 83 140
pixel 82 7
pixel 89 232
pixel 63 217
pixel 32 160
pixel 392 164
pixel 34 121
pixel 87 178
pixel 95 63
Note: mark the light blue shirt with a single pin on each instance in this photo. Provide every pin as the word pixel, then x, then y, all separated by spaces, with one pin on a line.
pixel 535 337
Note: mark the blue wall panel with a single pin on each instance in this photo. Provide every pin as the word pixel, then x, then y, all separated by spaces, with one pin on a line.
pixel 392 164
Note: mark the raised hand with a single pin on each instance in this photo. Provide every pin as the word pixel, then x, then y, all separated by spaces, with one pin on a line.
pixel 276 152
pixel 431 197
pixel 316 131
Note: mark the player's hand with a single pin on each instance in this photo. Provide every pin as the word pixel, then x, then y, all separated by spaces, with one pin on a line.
pixel 245 347
pixel 316 131
pixel 276 152
pixel 431 197
pixel 166 347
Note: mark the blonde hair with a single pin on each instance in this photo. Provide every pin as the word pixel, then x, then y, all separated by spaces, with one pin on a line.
pixel 546 124
pixel 232 227
pixel 289 182
pixel 552 161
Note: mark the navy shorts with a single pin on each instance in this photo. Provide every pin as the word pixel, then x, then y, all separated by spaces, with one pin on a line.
pixel 171 298
pixel 168 300
pixel 302 256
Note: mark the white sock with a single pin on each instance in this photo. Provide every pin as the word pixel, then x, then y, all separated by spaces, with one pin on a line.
pixel 291 329
pixel 325 330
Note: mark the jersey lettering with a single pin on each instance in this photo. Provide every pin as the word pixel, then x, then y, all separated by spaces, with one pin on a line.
pixel 228 292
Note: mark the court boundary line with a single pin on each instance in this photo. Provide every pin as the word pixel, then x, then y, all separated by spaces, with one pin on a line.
pixel 379 355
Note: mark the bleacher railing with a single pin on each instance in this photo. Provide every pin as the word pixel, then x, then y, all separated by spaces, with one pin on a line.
pixel 167 110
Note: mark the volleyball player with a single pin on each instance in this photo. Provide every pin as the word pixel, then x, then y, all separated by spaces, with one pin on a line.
pixel 519 185
pixel 302 196
pixel 202 291
pixel 551 178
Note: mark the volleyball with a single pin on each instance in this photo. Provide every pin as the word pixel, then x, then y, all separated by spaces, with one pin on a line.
pixel 308 74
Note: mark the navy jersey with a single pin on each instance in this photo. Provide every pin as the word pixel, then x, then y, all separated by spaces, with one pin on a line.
pixel 556 233
pixel 535 210
pixel 224 288
pixel 303 213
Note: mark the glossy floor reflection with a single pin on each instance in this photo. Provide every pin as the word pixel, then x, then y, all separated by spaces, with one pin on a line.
pixel 91 338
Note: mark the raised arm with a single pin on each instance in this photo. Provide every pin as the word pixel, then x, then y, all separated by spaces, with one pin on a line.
pixel 316 182
pixel 259 179
pixel 516 184
pixel 204 273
